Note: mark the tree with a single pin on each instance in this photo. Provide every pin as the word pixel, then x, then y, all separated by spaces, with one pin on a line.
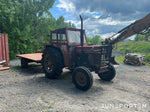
pixel 140 37
pixel 96 40
pixel 143 37
pixel 71 25
pixel 7 12
pixel 89 39
pixel 27 23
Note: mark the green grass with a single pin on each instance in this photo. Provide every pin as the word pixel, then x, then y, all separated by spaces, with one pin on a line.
pixel 119 59
pixel 134 47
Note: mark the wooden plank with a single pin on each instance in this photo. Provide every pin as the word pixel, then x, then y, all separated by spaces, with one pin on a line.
pixel 1 48
pixel 4 68
pixel 6 50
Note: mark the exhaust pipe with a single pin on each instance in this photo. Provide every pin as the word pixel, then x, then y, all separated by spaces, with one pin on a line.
pixel 81 32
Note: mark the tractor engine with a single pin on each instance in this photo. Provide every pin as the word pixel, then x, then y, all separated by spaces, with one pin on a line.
pixel 94 57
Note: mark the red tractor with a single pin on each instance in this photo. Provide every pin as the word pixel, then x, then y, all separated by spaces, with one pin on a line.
pixel 69 48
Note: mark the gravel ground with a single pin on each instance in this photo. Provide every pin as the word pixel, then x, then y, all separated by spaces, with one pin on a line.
pixel 27 90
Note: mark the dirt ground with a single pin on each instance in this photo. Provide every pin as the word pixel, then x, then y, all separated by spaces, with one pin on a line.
pixel 27 90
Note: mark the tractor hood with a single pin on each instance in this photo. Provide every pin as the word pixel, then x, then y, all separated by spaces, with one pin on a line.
pixel 105 50
pixel 89 48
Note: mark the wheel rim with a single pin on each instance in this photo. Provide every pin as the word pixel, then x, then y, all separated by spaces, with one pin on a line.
pixel 81 79
pixel 48 65
pixel 106 74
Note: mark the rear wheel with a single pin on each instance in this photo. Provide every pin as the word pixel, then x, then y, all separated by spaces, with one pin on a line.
pixel 52 63
pixel 82 78
pixel 108 75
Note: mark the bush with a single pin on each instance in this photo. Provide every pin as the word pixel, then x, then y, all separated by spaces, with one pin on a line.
pixel 147 58
pixel 119 59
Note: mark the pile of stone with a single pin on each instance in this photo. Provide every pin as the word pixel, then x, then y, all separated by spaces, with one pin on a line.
pixel 134 59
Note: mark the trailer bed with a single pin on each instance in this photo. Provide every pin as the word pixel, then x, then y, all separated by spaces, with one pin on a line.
pixel 36 57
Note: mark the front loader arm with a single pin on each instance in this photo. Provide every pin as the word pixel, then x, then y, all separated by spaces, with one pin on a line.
pixel 130 30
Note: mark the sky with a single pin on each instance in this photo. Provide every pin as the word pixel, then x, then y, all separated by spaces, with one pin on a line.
pixel 103 17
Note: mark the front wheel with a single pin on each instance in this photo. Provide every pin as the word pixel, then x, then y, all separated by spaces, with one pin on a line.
pixel 82 78
pixel 108 75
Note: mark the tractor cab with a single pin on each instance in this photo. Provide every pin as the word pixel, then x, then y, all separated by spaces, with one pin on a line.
pixel 69 36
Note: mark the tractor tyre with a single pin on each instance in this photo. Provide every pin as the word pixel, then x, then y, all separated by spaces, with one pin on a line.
pixel 52 63
pixel 24 63
pixel 82 78
pixel 108 75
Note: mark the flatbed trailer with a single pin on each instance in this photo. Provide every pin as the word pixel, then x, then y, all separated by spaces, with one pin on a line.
pixel 27 58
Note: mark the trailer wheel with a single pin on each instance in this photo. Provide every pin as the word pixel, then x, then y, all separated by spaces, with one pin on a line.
pixel 82 78
pixel 52 63
pixel 24 63
pixel 109 75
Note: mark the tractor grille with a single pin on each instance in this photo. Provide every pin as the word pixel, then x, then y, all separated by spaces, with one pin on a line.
pixel 96 59
pixel 105 52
